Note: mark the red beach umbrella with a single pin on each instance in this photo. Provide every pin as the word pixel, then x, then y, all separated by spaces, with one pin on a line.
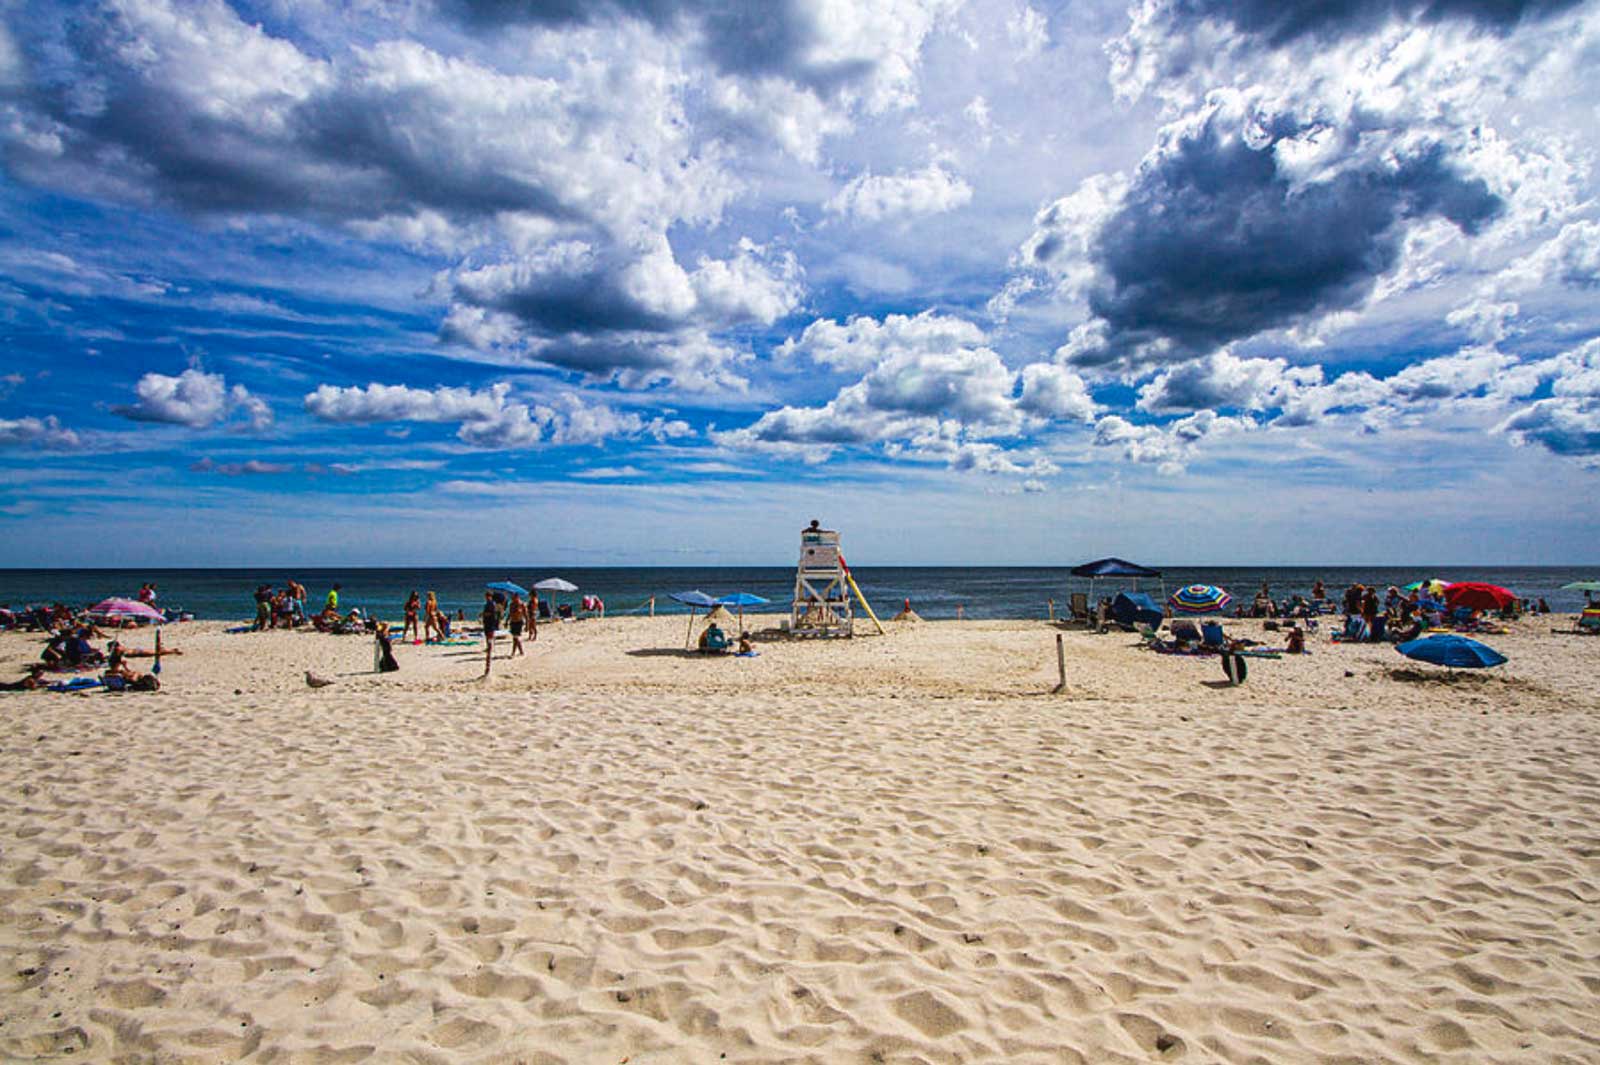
pixel 1475 595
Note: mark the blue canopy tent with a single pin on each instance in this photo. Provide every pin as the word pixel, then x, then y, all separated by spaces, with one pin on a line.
pixel 1136 608
pixel 1118 569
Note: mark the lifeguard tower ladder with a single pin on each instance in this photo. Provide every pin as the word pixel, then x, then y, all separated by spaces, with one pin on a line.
pixel 821 587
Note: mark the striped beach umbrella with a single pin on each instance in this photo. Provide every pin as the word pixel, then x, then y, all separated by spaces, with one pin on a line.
pixel 1199 599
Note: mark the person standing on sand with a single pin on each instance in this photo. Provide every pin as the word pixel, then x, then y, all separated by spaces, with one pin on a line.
pixel 413 610
pixel 491 621
pixel 331 605
pixel 430 618
pixel 263 608
pixel 515 617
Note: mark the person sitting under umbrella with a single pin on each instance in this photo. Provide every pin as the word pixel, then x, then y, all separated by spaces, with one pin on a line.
pixel 713 640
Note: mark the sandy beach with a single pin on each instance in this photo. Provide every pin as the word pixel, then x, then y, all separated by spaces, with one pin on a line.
pixel 891 849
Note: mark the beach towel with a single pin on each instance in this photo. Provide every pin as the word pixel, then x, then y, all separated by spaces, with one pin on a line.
pixel 76 684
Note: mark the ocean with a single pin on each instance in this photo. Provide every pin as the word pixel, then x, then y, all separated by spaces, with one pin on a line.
pixel 935 592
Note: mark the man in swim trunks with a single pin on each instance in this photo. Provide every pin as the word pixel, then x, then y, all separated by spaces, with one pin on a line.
pixel 515 618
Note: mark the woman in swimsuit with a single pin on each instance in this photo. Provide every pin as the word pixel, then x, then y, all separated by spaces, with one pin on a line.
pixel 431 629
pixel 413 626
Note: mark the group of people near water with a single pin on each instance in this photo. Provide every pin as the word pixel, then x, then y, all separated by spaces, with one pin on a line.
pixel 1393 615
pixel 285 607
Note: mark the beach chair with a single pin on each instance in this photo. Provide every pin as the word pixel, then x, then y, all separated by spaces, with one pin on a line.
pixel 1211 635
pixel 1354 629
pixel 1183 631
pixel 1078 609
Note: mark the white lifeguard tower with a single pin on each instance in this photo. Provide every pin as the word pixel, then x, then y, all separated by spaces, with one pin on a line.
pixel 821 586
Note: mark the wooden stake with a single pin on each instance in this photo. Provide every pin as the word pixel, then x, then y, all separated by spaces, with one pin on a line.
pixel 1061 665
pixel 1052 604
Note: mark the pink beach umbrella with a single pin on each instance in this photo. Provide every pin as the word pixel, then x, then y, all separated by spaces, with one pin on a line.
pixel 126 609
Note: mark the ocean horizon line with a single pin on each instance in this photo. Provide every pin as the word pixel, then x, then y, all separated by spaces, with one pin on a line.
pixel 465 567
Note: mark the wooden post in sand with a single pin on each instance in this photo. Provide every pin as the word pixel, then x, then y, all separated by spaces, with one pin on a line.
pixel 652 606
pixel 1052 604
pixel 1061 665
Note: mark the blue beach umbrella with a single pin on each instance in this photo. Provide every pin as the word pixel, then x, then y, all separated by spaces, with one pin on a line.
pixel 507 587
pixel 742 600
pixel 695 600
pixel 1199 599
pixel 1456 652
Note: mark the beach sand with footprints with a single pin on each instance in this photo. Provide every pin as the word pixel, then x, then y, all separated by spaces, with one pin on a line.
pixel 892 849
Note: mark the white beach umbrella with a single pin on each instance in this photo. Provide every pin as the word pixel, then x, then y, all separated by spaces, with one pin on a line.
pixel 555 584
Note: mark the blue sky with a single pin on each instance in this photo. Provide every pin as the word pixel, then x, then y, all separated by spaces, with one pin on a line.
pixel 650 281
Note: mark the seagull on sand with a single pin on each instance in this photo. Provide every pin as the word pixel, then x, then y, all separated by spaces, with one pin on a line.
pixel 314 681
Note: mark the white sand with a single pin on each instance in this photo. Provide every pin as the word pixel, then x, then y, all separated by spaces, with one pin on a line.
pixel 893 849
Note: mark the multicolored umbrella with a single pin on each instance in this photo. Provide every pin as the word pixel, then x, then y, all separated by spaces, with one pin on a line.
pixel 126 608
pixel 1456 652
pixel 1432 586
pixel 1199 599
pixel 1475 595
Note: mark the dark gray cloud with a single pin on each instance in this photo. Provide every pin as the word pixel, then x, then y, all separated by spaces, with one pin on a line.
pixel 1214 242
pixel 332 148
pixel 1562 426
pixel 588 300
pixel 1281 21
pixel 637 314
pixel 773 38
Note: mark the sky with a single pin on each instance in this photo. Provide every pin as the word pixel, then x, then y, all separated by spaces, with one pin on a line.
pixel 636 282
